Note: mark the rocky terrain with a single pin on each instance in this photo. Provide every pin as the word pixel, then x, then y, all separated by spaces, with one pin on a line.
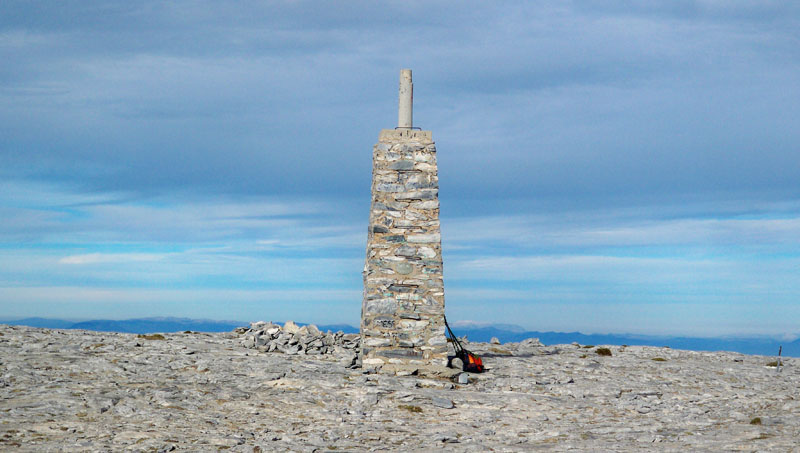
pixel 72 390
pixel 307 340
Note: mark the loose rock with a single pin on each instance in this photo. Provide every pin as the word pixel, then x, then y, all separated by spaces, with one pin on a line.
pixel 442 402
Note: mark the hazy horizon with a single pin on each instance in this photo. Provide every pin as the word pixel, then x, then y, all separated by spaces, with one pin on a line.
pixel 457 324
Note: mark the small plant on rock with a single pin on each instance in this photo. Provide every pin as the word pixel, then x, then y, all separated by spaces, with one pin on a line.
pixel 603 351
pixel 410 408
pixel 155 336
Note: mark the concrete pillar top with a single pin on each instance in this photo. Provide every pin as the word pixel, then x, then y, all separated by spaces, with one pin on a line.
pixel 405 106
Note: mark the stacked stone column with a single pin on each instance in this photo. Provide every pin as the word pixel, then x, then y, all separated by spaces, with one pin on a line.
pixel 402 314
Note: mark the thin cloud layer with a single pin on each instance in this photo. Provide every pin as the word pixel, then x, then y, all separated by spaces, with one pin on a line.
pixel 588 103
pixel 638 156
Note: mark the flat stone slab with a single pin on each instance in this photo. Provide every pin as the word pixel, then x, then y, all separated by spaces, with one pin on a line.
pixel 396 135
pixel 94 391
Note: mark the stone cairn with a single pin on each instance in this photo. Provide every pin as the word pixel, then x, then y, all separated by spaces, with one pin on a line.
pixel 402 314
pixel 292 339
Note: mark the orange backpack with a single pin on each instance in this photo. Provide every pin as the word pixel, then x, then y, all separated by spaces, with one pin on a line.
pixel 472 363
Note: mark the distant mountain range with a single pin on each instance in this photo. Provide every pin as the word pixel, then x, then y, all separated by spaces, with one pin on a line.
pixel 473 331
pixel 151 325
pixel 745 345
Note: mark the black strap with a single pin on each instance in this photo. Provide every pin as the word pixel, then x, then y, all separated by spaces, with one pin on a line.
pixel 459 349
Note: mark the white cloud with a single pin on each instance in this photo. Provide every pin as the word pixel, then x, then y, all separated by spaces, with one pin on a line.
pixel 309 305
pixel 108 258
pixel 49 213
pixel 574 230
pixel 111 295
pixel 790 336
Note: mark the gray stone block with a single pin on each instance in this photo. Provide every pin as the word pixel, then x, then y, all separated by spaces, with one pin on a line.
pixel 381 306
pixel 400 354
pixel 383 322
pixel 424 238
pixel 402 165
pixel 403 268
pixel 387 187
pixel 406 251
pixel 401 288
pixel 425 194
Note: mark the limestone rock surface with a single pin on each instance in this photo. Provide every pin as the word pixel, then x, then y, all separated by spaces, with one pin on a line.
pixel 72 390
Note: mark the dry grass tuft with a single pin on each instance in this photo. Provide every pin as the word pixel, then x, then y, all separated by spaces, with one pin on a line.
pixel 603 351
pixel 410 408
pixel 155 336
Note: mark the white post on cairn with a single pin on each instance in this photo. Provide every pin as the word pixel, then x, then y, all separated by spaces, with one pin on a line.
pixel 404 111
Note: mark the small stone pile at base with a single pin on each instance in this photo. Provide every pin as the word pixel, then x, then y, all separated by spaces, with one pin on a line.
pixel 292 339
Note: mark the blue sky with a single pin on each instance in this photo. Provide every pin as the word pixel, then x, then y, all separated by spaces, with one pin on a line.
pixel 609 166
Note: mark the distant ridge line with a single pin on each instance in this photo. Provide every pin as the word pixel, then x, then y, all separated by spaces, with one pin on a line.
pixel 474 332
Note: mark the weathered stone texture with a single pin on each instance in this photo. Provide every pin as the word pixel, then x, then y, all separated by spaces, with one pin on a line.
pixel 79 391
pixel 402 315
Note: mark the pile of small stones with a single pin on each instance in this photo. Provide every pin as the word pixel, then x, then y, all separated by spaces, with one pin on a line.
pixel 306 340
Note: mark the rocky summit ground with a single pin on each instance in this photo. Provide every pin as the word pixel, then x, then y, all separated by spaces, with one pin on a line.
pixel 91 391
